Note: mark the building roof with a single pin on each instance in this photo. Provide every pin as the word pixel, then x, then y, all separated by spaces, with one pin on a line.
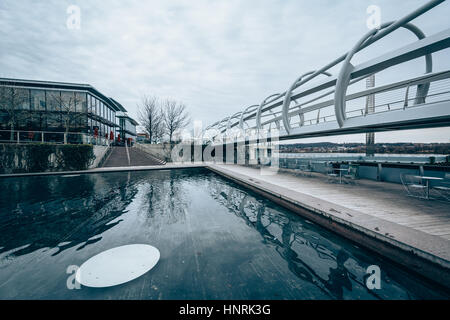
pixel 38 84
pixel 126 116
pixel 121 108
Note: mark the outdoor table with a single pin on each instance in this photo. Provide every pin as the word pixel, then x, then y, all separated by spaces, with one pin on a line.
pixel 427 183
pixel 340 173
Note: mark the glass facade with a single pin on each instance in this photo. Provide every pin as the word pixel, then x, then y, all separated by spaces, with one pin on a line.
pixel 38 102
pixel 50 110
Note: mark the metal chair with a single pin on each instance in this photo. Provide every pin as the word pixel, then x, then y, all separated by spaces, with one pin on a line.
pixel 413 186
pixel 306 170
pixel 351 176
pixel 332 176
pixel 442 189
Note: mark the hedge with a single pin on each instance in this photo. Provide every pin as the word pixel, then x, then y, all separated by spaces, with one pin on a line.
pixel 39 157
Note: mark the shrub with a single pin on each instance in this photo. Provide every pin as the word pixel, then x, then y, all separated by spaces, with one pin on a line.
pixel 75 157
pixel 36 157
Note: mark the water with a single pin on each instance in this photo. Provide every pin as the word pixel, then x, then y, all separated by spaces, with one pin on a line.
pixel 390 158
pixel 217 241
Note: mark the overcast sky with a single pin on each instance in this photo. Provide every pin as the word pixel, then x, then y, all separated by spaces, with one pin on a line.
pixel 218 57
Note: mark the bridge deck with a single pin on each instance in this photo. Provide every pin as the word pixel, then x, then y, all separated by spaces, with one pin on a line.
pixel 383 200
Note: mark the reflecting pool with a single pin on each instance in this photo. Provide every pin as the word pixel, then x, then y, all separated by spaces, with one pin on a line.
pixel 216 239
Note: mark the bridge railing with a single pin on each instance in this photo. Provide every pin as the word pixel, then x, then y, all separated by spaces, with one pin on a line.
pixel 327 100
pixel 396 96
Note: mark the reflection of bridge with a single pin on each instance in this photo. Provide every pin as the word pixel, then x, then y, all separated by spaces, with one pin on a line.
pixel 324 108
pixel 312 254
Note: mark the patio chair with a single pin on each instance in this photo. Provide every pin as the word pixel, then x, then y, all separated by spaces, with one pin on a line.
pixel 443 188
pixel 305 170
pixel 413 185
pixel 351 176
pixel 332 176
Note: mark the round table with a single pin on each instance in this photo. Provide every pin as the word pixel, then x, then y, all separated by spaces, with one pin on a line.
pixel 427 183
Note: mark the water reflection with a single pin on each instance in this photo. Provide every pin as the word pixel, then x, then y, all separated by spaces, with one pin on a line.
pixel 310 252
pixel 57 212
pixel 166 198
pixel 172 209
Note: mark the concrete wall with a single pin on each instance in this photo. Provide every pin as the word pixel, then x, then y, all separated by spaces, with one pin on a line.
pixel 159 151
pixel 100 152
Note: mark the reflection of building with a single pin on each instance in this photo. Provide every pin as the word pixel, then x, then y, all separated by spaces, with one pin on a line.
pixel 52 106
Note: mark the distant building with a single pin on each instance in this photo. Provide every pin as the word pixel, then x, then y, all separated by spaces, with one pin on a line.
pixel 43 108
pixel 127 126
pixel 142 137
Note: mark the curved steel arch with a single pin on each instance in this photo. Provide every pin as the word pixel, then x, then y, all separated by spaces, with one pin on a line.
pixel 259 112
pixel 246 111
pixel 237 115
pixel 347 68
pixel 234 116
pixel 287 100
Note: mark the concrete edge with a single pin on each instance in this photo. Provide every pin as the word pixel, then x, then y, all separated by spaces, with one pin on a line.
pixel 104 170
pixel 140 147
pixel 421 259
pixel 104 158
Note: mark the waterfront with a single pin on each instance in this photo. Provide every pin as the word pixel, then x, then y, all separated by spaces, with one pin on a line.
pixel 217 241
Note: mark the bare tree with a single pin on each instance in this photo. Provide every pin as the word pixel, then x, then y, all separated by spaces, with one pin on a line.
pixel 175 117
pixel 151 117
pixel 68 107
pixel 12 99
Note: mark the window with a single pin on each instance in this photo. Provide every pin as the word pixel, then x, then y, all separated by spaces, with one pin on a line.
pixel 80 99
pixel 68 101
pixel 99 108
pixel 95 106
pixel 54 121
pixel 53 100
pixel 38 100
pixel 22 98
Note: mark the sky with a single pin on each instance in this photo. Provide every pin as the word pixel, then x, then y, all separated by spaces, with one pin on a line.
pixel 218 57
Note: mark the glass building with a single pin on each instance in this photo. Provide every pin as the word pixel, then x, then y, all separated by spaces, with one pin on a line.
pixel 51 107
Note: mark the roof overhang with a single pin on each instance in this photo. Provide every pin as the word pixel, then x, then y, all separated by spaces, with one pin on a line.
pixel 37 84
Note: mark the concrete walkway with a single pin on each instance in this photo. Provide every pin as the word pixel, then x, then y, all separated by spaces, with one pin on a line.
pixel 383 200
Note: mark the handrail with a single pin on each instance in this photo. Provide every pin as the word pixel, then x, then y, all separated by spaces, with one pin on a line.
pixel 265 101
pixel 287 99
pixel 347 68
pixel 350 74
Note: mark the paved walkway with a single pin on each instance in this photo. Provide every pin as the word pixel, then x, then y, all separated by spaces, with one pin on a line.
pixel 129 157
pixel 383 200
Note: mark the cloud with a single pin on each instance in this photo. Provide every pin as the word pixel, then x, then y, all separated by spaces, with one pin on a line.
pixel 217 56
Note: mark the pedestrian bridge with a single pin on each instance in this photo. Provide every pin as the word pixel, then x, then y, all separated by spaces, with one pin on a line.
pixel 319 103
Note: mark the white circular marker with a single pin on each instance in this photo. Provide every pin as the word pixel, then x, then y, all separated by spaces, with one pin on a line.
pixel 117 266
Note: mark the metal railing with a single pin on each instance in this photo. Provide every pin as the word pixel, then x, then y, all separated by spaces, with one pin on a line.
pixel 328 101
pixel 21 136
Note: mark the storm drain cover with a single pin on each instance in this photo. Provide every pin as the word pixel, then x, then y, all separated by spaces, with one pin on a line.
pixel 118 265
